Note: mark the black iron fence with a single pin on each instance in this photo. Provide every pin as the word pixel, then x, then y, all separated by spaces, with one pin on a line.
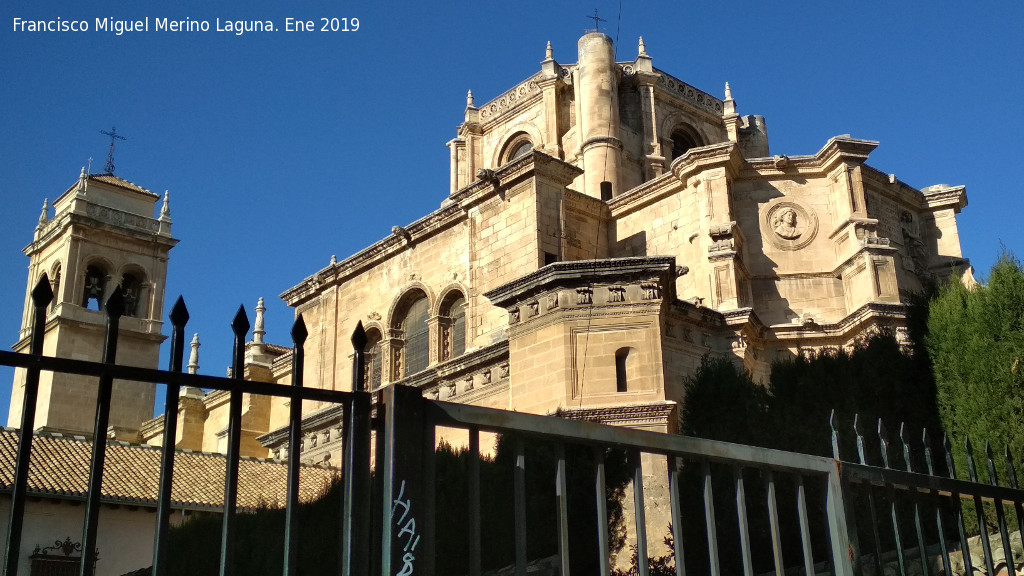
pixel 733 508
pixel 355 431
pixel 925 494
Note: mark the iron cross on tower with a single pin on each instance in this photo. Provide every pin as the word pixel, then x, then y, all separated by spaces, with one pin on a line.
pixel 114 136
pixel 597 20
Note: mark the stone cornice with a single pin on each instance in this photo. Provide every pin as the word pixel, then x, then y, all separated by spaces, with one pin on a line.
pixel 73 315
pixel 700 314
pixel 315 421
pixel 837 149
pixel 511 99
pixel 459 366
pixel 842 329
pixel 929 198
pixel 670 85
pixel 695 161
pixel 98 217
pixel 660 413
pixel 703 157
pixel 943 196
pixel 644 194
pixel 452 211
pixel 580 272
pixel 836 272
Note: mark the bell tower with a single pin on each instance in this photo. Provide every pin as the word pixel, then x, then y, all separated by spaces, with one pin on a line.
pixel 103 234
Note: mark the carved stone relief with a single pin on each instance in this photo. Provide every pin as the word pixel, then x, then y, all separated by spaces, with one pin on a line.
pixel 650 291
pixel 789 225
pixel 584 296
pixel 616 294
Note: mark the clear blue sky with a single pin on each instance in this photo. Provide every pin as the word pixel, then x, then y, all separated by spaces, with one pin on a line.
pixel 281 149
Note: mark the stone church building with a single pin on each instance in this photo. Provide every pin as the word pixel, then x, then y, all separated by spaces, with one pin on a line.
pixel 606 225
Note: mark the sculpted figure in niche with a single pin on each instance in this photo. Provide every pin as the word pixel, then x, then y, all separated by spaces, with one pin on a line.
pixel 784 223
pixel 912 243
pixel 130 291
pixel 94 279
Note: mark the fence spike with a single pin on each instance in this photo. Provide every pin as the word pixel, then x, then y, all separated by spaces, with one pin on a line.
pixel 359 338
pixel 860 439
pixel 1011 474
pixel 927 452
pixel 115 304
pixel 948 449
pixel 299 331
pixel 990 464
pixel 883 438
pixel 906 446
pixel 835 433
pixel 972 472
pixel 240 324
pixel 42 294
pixel 179 313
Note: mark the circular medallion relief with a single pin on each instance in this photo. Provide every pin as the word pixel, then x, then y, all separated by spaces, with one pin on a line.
pixel 789 225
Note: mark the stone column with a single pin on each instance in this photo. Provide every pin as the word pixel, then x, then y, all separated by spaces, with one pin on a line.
pixel 549 88
pixel 598 77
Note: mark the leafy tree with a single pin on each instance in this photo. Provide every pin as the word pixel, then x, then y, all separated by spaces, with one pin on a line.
pixel 723 403
pixel 976 342
pixel 876 380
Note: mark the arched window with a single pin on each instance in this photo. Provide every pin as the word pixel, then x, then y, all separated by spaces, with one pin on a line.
pixel 95 286
pixel 683 138
pixel 55 284
pixel 131 290
pixel 415 349
pixel 373 358
pixel 621 359
pixel 453 326
pixel 518 146
pixel 522 149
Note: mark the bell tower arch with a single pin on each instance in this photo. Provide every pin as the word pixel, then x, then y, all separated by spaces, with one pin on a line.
pixel 103 234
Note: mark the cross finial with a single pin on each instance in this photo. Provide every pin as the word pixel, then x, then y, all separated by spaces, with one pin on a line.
pixel 597 20
pixel 114 136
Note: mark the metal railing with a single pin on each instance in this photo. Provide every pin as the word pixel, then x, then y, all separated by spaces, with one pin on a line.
pixel 931 501
pixel 390 516
pixel 407 445
pixel 355 433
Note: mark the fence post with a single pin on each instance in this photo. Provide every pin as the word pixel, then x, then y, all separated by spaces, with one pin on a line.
pixel 179 317
pixel 42 295
pixel 240 326
pixel 356 527
pixel 403 495
pixel 291 539
pixel 114 308
pixel 843 551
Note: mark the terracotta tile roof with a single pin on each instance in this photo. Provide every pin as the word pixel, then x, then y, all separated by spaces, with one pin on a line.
pixel 60 467
pixel 116 181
